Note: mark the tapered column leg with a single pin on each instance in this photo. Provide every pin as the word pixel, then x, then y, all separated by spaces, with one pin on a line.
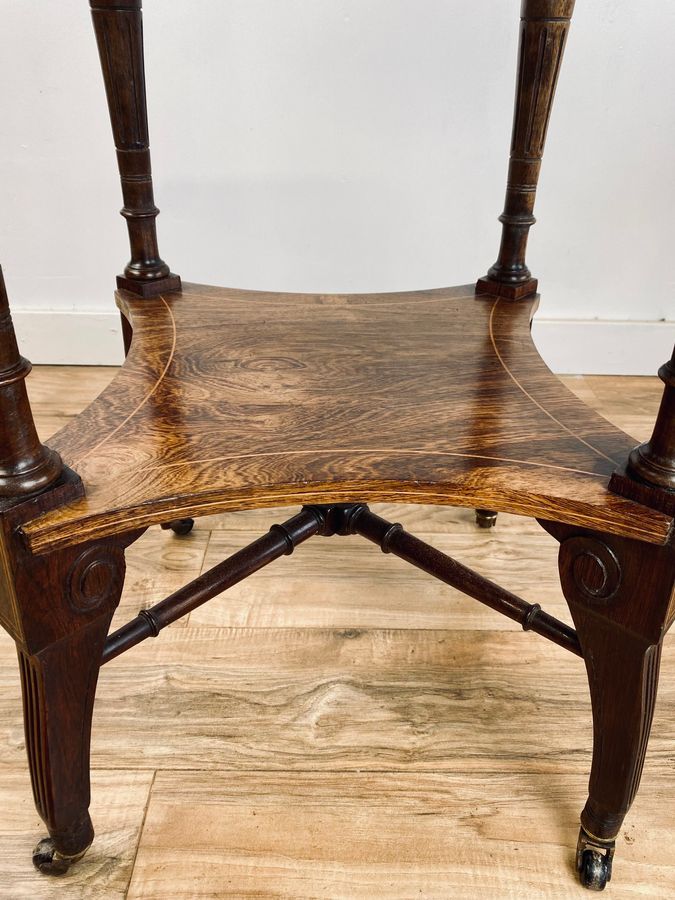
pixel 59 610
pixel 59 685
pixel 620 594
pixel 623 680
pixel 623 676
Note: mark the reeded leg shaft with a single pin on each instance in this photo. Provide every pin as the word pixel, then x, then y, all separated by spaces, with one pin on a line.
pixel 620 594
pixel 623 679
pixel 59 685
pixel 58 608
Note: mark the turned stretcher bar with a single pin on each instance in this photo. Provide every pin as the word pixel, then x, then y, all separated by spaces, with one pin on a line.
pixel 281 540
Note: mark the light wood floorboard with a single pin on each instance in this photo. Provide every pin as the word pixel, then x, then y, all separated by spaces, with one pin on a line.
pixel 340 725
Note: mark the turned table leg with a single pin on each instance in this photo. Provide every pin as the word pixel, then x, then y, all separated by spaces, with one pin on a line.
pixel 118 25
pixel 544 26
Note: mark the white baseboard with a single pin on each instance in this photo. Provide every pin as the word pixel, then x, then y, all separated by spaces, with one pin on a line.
pixel 569 347
pixel 63 338
pixel 601 347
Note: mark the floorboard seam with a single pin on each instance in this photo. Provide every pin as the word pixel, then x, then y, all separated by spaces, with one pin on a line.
pixel 140 831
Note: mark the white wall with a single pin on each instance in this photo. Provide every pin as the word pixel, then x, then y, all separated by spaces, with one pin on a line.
pixel 344 145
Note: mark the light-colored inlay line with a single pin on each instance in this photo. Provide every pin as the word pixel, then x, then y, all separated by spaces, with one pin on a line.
pixel 364 450
pixel 145 399
pixel 387 450
pixel 536 403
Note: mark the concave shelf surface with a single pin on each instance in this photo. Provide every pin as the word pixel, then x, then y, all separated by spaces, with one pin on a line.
pixel 233 399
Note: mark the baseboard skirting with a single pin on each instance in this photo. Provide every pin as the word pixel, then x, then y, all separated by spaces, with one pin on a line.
pixel 603 347
pixel 68 338
pixel 569 346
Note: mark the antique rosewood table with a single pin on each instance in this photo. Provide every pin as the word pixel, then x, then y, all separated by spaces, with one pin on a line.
pixel 233 399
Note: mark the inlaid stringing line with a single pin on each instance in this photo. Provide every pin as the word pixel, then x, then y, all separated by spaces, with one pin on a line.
pixel 152 390
pixel 531 398
pixel 351 450
pixel 363 450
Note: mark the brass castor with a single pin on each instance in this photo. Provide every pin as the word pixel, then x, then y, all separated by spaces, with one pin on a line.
pixel 180 527
pixel 594 861
pixel 48 860
pixel 486 518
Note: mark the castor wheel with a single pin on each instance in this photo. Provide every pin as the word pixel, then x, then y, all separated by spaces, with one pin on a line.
pixel 594 873
pixel 180 527
pixel 486 518
pixel 594 862
pixel 48 860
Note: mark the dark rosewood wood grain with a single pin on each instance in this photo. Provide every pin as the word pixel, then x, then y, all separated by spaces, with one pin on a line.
pixel 26 465
pixel 543 33
pixel 58 608
pixel 234 399
pixel 119 33
pixel 13 512
pixel 621 595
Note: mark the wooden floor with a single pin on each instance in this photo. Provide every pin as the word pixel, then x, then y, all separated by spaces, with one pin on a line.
pixel 340 725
